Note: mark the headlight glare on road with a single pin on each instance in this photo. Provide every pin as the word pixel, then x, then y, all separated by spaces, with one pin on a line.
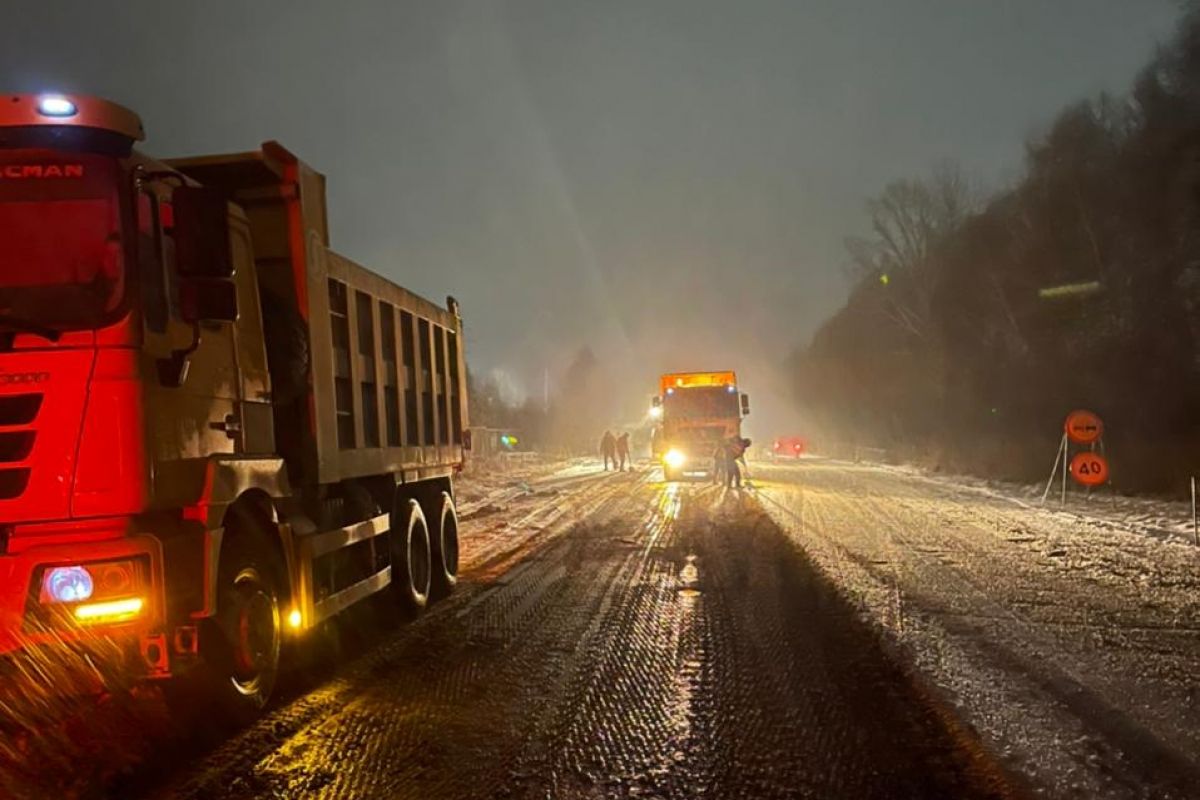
pixel 674 458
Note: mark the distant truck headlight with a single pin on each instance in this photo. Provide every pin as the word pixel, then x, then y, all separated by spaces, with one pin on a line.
pixel 674 458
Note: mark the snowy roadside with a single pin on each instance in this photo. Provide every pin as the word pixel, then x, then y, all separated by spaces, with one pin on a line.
pixel 1070 638
pixel 497 480
pixel 1162 518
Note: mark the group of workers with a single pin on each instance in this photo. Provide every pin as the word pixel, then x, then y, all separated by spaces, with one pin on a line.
pixel 727 457
pixel 615 450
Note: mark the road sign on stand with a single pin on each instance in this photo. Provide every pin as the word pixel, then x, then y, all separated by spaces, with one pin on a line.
pixel 1083 427
pixel 1089 469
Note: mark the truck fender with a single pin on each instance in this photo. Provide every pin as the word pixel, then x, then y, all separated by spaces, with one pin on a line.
pixel 257 508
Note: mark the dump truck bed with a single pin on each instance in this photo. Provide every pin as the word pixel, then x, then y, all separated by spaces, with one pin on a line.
pixel 387 373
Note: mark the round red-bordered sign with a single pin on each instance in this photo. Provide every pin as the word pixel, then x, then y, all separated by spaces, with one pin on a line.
pixel 1090 469
pixel 1083 427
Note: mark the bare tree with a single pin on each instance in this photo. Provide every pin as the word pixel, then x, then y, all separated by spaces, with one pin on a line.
pixel 909 219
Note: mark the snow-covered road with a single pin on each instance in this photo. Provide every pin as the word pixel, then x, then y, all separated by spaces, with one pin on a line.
pixel 1069 639
pixel 1008 649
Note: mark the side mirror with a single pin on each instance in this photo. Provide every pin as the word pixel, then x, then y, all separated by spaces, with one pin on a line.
pixel 205 300
pixel 745 405
pixel 656 402
pixel 202 245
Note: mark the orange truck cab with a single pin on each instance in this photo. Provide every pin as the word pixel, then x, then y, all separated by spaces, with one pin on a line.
pixel 694 413
pixel 215 432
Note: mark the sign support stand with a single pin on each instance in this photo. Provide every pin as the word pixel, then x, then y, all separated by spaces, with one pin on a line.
pixel 1112 487
pixel 1062 501
pixel 1060 455
pixel 1195 519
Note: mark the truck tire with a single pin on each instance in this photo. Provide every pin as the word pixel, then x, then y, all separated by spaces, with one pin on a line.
pixel 444 538
pixel 240 646
pixel 411 556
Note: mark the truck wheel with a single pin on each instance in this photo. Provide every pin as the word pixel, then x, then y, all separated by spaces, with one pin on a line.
pixel 445 548
pixel 411 558
pixel 239 647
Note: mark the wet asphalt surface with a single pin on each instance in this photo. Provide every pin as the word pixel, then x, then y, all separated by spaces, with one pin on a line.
pixel 583 658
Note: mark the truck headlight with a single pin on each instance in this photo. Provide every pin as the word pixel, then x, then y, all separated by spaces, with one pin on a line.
pixel 674 458
pixel 67 585
pixel 96 593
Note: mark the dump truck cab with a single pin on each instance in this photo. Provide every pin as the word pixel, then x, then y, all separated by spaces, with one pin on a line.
pixel 117 279
pixel 695 412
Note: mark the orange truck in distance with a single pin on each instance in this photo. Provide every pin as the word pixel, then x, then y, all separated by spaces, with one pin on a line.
pixel 694 412
pixel 215 432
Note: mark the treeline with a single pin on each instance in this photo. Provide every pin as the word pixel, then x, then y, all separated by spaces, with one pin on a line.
pixel 569 422
pixel 489 408
pixel 976 323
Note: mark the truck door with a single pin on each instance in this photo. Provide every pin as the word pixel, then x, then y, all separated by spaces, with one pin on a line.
pixel 202 417
pixel 254 395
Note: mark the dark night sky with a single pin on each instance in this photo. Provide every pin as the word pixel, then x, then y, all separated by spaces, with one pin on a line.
pixel 671 178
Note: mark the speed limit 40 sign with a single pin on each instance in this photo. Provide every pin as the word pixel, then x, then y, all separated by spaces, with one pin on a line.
pixel 1090 469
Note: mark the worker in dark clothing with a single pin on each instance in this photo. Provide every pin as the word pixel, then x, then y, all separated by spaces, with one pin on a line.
pixel 735 451
pixel 720 457
pixel 608 449
pixel 623 452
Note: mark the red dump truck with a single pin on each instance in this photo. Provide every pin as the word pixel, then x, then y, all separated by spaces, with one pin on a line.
pixel 215 432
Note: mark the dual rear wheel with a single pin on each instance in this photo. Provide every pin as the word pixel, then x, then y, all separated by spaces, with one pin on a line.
pixel 424 550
